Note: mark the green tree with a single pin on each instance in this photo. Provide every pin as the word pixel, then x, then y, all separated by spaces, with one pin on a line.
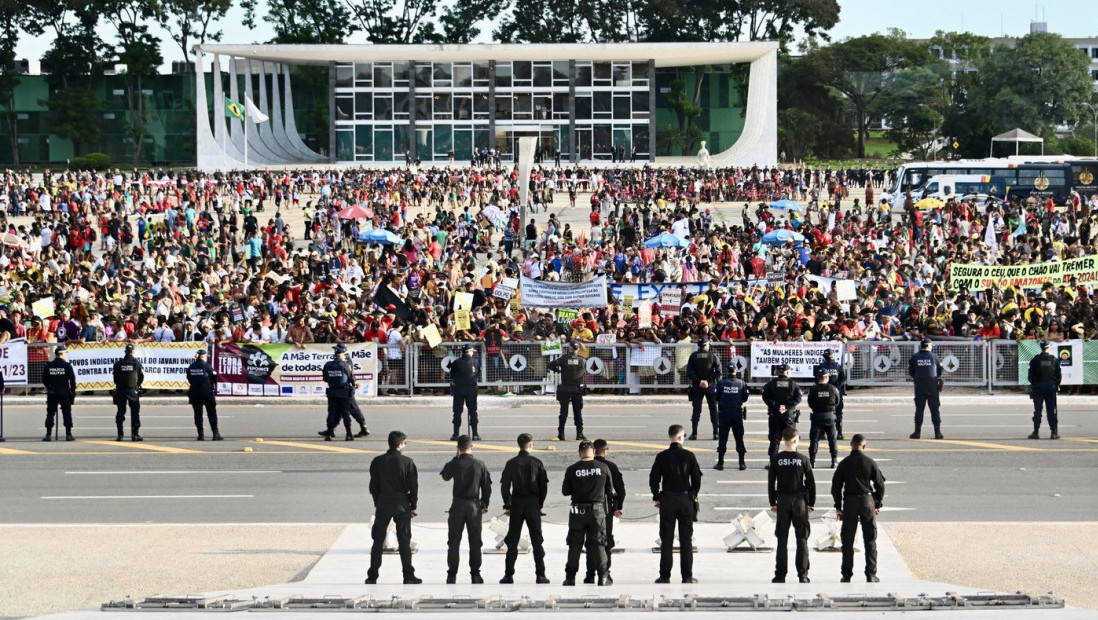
pixel 863 68
pixel 192 22
pixel 1040 82
pixel 17 18
pixel 75 113
pixel 812 118
pixel 915 108
pixel 321 22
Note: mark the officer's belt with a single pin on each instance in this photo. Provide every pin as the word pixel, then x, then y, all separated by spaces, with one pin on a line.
pixel 676 493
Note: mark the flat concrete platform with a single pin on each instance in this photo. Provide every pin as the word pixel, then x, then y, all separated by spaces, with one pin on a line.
pixel 340 573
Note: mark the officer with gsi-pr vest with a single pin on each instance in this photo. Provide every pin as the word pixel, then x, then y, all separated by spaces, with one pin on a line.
pixel 201 393
pixel 703 369
pixel 1044 381
pixel 926 370
pixel 836 377
pixel 732 393
pixel 571 368
pixel 781 395
pixel 338 378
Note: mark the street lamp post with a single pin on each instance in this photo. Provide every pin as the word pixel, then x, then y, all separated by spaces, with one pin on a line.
pixel 1094 125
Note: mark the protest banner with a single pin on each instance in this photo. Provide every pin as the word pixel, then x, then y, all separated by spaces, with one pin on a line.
pixel 670 301
pixel 461 318
pixel 565 316
pixel 505 287
pixel 551 347
pixel 163 363
pixel 636 293
pixel 245 369
pixel 982 277
pixel 644 315
pixel 1078 360
pixel 430 334
pixel 542 294
pixel 13 362
pixel 801 357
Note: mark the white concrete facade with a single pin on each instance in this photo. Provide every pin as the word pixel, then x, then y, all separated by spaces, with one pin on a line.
pixel 277 142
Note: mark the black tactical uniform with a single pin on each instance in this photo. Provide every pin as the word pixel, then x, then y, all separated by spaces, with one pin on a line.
pixel 675 481
pixel 463 387
pixel 926 370
pixel 356 411
pixel 128 378
pixel 60 382
pixel 732 393
pixel 394 486
pixel 1044 381
pixel 791 487
pixel 613 504
pixel 471 493
pixel 823 399
pixel 836 376
pixel 571 368
pixel 703 365
pixel 588 483
pixel 202 393
pixel 339 397
pixel 780 391
pixel 523 488
pixel 858 490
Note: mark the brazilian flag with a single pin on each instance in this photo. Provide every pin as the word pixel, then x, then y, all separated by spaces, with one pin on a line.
pixel 234 109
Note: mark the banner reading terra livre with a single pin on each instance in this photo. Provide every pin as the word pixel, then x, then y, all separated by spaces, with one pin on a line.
pixel 286 370
pixel 983 277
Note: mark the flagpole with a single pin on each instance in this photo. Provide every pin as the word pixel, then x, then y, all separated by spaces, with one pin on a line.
pixel 245 121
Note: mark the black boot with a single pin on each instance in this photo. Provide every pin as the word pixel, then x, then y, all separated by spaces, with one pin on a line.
pixel 743 465
pixel 1036 434
pixel 839 430
pixel 457 431
pixel 560 433
pixel 693 431
pixel 216 434
pixel 201 434
pixel 720 462
pixel 49 435
pixel 476 435
pixel 68 435
pixel 938 432
pixel 917 434
pixel 135 436
pixel 120 433
pixel 579 434
pixel 364 432
pixel 329 434
pixel 589 577
pixel 1055 433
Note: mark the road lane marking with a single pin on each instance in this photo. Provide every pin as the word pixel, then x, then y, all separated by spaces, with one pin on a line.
pixel 453 444
pixel 147 496
pixel 141 446
pixel 660 446
pixel 818 482
pixel 14 451
pixel 980 444
pixel 1082 439
pixel 172 472
pixel 315 446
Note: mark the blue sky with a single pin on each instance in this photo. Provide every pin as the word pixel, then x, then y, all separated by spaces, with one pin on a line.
pixel 919 18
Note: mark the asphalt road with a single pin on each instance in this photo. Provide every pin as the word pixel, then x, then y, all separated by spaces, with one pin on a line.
pixel 983 471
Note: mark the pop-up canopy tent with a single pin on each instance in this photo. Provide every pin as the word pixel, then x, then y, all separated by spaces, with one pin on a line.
pixel 1017 136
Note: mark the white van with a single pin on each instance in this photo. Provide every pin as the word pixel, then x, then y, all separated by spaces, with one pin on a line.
pixel 945 186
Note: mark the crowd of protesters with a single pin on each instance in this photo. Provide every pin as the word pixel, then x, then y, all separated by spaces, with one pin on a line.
pixel 165 256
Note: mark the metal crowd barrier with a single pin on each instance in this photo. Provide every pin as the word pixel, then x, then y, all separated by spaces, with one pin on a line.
pixel 1002 364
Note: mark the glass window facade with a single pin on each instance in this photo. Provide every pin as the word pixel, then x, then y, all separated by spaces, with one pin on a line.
pixel 585 109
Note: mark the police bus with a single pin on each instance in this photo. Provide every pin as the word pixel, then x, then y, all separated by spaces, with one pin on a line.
pixel 1041 180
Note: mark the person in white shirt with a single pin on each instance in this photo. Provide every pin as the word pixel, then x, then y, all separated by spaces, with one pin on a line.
pixel 278 334
pixel 163 333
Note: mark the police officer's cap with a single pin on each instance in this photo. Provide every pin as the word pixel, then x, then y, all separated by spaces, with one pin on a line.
pixel 569 346
pixel 468 347
pixel 783 367
pixel 828 354
pixel 926 343
pixel 1045 344
pixel 60 349
pixel 200 353
pixel 821 372
pixel 733 367
pixel 704 340
pixel 129 348
pixel 341 348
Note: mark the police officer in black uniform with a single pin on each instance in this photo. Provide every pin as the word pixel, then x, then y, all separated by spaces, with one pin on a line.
pixel 394 486
pixel 588 482
pixel 352 403
pixel 60 380
pixel 463 387
pixel 675 481
pixel 703 369
pixel 781 395
pixel 1044 381
pixel 732 394
pixel 202 393
pixel 571 368
pixel 128 378
pixel 823 399
pixel 339 380
pixel 858 488
pixel 471 494
pixel 837 378
pixel 614 505
pixel 926 370
pixel 523 487
pixel 792 491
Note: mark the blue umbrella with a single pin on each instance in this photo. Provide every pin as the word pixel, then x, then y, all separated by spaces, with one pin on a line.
pixel 666 240
pixel 380 235
pixel 785 204
pixel 781 236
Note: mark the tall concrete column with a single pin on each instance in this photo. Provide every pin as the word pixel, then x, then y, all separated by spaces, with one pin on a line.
pixel 412 145
pixel 491 105
pixel 573 153
pixel 651 110
pixel 332 112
